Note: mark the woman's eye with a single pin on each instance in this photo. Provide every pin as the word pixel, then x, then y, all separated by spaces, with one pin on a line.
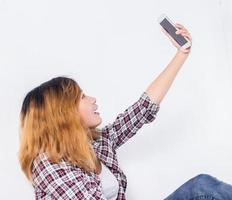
pixel 83 96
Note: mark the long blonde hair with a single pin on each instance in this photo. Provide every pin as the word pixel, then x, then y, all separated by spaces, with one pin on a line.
pixel 50 123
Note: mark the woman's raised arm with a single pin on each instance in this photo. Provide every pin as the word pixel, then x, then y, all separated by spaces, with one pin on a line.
pixel 159 87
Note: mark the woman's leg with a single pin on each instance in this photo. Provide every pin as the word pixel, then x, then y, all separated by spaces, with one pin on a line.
pixel 202 187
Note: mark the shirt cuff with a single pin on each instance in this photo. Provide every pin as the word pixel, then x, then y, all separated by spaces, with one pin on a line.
pixel 151 107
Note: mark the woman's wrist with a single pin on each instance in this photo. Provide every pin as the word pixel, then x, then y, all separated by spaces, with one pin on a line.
pixel 183 53
pixel 180 55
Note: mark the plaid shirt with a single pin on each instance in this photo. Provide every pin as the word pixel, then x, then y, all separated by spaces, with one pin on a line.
pixel 65 181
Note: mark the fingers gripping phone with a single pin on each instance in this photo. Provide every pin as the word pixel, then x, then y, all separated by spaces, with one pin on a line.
pixel 170 28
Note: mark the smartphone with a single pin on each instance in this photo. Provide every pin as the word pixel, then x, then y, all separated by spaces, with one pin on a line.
pixel 169 26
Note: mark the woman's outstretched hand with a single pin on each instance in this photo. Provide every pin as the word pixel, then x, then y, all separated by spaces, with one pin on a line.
pixel 184 32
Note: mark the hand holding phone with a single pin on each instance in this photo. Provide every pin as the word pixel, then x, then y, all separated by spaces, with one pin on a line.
pixel 170 28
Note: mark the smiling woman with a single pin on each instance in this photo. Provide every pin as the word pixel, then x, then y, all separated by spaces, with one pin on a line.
pixel 62 151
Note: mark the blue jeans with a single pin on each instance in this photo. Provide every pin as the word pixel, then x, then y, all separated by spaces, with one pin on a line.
pixel 202 187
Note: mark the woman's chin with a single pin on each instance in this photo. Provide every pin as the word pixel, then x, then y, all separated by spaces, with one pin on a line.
pixel 97 123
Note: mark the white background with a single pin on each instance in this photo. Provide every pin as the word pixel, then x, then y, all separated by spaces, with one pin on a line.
pixel 114 49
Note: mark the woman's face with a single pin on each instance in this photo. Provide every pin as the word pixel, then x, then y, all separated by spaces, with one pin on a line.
pixel 87 109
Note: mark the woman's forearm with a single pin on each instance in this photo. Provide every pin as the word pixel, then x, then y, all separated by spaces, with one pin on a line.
pixel 159 87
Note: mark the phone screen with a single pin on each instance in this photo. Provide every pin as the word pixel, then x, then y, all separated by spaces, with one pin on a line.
pixel 171 30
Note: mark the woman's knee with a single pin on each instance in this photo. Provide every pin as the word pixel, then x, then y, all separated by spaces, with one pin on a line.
pixel 205 181
pixel 204 178
pixel 202 184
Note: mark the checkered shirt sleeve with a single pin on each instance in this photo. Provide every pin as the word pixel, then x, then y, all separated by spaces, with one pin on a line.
pixel 131 120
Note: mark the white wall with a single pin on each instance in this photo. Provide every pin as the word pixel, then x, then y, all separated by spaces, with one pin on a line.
pixel 114 49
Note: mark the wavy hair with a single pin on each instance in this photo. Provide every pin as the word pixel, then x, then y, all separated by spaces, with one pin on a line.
pixel 50 123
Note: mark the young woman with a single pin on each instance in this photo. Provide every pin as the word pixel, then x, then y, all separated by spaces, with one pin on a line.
pixel 65 155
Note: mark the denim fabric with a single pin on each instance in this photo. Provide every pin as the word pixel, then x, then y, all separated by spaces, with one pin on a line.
pixel 202 187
